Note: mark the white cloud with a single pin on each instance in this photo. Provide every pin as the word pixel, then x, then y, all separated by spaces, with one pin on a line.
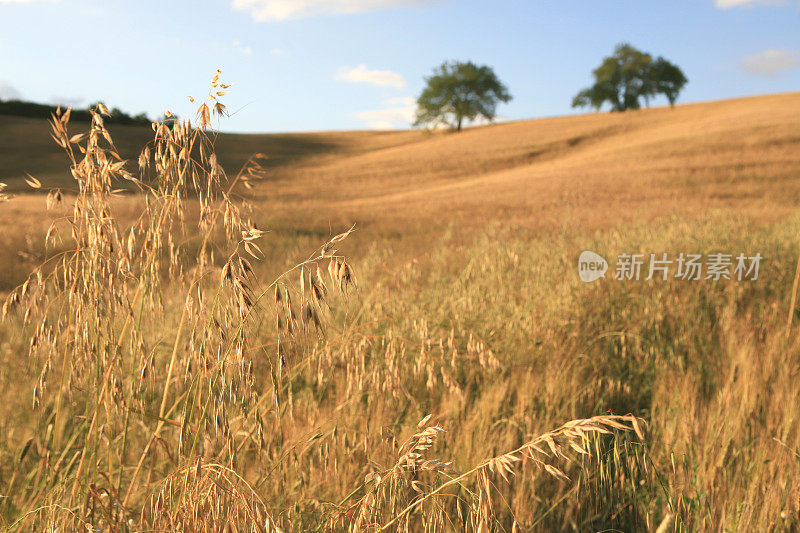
pixel 726 4
pixel 397 112
pixel 28 1
pixel 243 48
pixel 8 91
pixel 770 62
pixel 274 10
pixel 278 52
pixel 361 74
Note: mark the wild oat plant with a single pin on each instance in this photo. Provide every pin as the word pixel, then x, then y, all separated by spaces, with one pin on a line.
pixel 168 367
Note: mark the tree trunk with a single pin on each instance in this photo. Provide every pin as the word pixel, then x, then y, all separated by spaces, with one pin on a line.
pixel 458 128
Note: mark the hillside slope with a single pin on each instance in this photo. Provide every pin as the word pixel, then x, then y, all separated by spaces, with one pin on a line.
pixel 600 168
pixel 467 309
pixel 742 154
pixel 26 147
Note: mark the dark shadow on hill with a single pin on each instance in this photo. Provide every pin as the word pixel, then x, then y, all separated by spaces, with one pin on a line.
pixel 281 149
pixel 27 148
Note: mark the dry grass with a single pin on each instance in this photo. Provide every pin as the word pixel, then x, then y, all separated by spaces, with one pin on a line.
pixel 26 147
pixel 540 173
pixel 593 170
pixel 170 366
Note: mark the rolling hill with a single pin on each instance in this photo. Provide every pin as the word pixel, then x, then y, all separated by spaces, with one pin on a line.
pixel 458 302
pixel 742 154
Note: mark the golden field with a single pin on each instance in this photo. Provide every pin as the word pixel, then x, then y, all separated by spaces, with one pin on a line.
pixel 170 393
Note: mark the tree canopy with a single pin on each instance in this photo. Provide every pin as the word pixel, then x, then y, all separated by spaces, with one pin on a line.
pixel 667 79
pixel 459 91
pixel 629 76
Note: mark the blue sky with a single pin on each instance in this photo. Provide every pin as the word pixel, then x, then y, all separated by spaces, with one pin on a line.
pixel 300 65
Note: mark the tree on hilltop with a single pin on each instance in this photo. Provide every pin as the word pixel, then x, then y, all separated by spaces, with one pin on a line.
pixel 459 91
pixel 667 79
pixel 628 76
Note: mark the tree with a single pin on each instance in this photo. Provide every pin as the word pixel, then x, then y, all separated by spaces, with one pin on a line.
pixel 629 75
pixel 460 91
pixel 667 79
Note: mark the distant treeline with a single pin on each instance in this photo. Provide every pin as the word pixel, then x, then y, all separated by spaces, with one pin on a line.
pixel 19 108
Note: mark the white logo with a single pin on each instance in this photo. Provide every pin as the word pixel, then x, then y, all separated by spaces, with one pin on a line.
pixel 591 266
